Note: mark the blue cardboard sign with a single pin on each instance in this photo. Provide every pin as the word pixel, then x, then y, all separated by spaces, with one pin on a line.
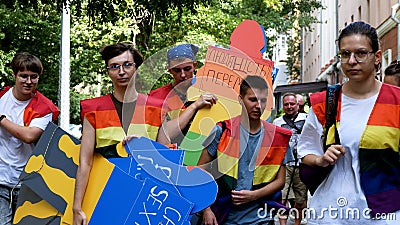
pixel 158 205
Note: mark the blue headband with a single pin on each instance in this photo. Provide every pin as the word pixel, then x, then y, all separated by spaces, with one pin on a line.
pixel 183 51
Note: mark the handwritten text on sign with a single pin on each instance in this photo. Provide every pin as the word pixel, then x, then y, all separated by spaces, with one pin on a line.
pixel 230 66
pixel 156 205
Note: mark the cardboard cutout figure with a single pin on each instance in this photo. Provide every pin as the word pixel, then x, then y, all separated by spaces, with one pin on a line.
pixel 221 75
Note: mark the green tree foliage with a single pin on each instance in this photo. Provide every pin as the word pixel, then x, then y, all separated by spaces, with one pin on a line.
pixel 152 26
pixel 35 30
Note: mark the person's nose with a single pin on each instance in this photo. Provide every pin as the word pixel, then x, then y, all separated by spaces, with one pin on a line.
pixel 258 105
pixel 121 70
pixel 183 74
pixel 352 58
pixel 28 80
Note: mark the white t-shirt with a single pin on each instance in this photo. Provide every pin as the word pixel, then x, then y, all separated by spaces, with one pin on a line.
pixel 13 152
pixel 339 199
pixel 290 157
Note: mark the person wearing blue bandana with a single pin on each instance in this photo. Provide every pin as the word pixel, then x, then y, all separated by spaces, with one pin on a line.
pixel 181 65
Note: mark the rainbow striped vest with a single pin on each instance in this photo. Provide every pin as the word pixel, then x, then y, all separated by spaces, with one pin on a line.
pixel 378 149
pixel 269 159
pixel 103 116
pixel 39 106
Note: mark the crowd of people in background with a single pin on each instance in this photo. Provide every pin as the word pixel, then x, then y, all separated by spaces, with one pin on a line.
pixel 254 162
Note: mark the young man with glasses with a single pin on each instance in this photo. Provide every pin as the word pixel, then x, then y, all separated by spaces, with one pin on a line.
pixel 109 119
pixel 24 114
pixel 181 65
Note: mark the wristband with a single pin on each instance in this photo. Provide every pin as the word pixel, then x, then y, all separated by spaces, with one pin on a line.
pixel 1 118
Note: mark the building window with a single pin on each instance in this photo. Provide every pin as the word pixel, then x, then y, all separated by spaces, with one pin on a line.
pixel 386 60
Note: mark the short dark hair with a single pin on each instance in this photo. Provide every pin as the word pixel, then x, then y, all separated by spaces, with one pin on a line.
pixel 393 68
pixel 290 94
pixel 113 50
pixel 25 61
pixel 253 81
pixel 362 28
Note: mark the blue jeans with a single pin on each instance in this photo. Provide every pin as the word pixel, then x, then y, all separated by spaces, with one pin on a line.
pixel 6 211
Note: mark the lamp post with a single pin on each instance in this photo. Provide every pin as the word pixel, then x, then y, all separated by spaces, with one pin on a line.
pixel 64 87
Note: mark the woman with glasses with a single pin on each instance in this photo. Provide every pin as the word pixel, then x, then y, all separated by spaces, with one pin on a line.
pixel 363 186
pixel 392 74
pixel 24 114
pixel 109 119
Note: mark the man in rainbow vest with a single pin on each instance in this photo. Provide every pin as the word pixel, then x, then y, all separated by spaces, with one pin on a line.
pixel 24 114
pixel 249 154
pixel 181 65
pixel 108 120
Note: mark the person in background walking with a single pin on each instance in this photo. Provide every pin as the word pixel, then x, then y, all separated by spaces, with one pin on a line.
pixel 302 103
pixel 294 121
pixel 392 74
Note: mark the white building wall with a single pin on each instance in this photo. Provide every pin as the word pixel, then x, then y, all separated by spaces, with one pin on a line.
pixel 279 57
pixel 318 46
pixel 328 32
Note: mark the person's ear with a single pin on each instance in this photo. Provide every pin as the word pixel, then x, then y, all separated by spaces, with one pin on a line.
pixel 378 58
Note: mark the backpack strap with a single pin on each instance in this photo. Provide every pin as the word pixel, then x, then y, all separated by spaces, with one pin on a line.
pixel 291 123
pixel 332 99
pixel 223 126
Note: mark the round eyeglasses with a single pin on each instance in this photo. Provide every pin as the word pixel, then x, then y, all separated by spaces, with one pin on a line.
pixel 24 77
pixel 360 56
pixel 127 66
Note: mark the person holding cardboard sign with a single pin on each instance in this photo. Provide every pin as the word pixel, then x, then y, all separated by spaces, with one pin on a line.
pixel 181 65
pixel 24 115
pixel 249 153
pixel 110 119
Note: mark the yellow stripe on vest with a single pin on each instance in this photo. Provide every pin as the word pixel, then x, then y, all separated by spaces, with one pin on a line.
pixel 113 135
pixel 265 173
pixel 144 130
pixel 375 141
pixel 229 165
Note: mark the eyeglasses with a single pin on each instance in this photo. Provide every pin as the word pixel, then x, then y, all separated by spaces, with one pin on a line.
pixel 127 66
pixel 360 56
pixel 24 77
pixel 186 69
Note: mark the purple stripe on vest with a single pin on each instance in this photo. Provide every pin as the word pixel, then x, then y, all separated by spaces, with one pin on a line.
pixel 384 202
